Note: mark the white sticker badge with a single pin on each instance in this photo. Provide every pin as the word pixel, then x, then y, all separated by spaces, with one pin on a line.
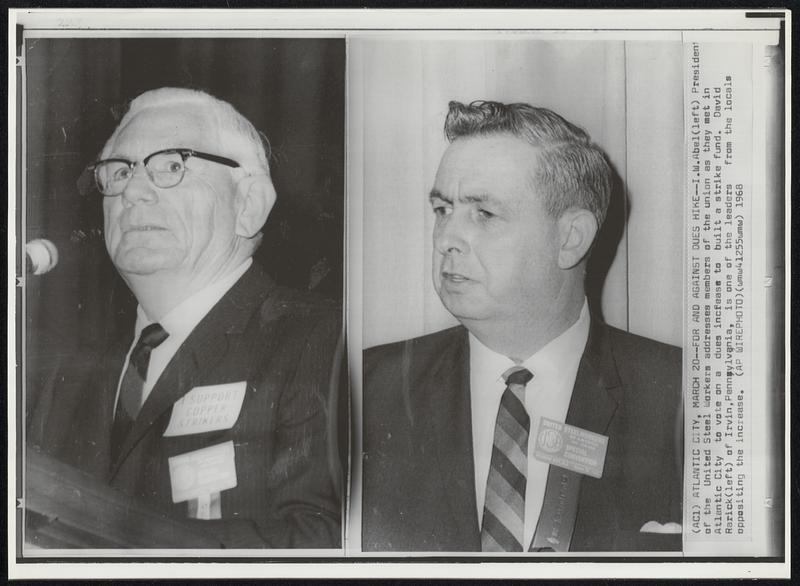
pixel 208 408
pixel 202 472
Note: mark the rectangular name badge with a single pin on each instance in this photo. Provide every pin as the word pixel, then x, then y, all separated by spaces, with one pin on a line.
pixel 571 447
pixel 208 408
pixel 202 472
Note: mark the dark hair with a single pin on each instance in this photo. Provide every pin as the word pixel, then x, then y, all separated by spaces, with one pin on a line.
pixel 572 170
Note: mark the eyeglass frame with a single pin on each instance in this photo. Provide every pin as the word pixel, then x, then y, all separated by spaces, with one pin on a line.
pixel 185 153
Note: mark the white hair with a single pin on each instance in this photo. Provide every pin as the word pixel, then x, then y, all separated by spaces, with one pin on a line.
pixel 238 138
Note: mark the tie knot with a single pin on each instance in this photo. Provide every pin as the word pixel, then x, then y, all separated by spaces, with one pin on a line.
pixel 517 375
pixel 152 336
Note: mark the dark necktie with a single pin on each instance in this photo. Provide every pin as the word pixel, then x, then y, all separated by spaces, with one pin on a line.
pixel 130 393
pixel 504 509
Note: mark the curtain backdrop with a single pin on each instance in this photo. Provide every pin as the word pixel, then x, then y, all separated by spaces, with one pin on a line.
pixel 627 95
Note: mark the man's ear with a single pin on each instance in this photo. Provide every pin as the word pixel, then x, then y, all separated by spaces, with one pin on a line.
pixel 577 228
pixel 255 196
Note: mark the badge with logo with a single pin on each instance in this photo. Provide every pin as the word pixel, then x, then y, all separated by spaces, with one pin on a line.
pixel 199 477
pixel 571 447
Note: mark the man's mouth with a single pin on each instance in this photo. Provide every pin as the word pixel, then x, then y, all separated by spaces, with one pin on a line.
pixel 454 277
pixel 144 228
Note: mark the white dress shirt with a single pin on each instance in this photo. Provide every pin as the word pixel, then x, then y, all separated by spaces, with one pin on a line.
pixel 179 323
pixel 548 394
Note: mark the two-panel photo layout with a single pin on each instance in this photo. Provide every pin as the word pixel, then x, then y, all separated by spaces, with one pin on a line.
pixel 328 296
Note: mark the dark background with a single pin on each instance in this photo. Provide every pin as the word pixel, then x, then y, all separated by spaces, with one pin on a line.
pixel 75 93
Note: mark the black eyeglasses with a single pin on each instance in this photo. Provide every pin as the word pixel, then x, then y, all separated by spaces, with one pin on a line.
pixel 165 168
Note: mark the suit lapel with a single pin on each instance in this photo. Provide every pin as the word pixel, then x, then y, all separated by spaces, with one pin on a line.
pixel 95 413
pixel 204 349
pixel 595 401
pixel 111 380
pixel 597 391
pixel 447 411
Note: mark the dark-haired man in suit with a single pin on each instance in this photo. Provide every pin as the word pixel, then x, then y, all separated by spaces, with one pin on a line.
pixel 217 409
pixel 533 425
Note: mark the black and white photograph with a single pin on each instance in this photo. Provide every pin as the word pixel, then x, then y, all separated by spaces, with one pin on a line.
pixel 402 293
pixel 534 231
pixel 183 349
pixel 525 369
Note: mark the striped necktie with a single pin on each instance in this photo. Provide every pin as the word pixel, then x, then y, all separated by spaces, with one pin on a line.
pixel 130 393
pixel 504 509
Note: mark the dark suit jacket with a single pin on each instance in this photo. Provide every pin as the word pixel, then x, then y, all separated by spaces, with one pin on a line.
pixel 284 344
pixel 418 470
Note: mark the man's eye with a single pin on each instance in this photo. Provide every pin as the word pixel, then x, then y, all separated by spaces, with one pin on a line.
pixel 174 167
pixel 441 210
pixel 122 174
pixel 485 214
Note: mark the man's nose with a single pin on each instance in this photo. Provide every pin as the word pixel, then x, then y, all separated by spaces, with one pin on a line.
pixel 450 236
pixel 139 188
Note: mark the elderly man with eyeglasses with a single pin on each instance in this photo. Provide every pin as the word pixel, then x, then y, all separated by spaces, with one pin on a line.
pixel 217 407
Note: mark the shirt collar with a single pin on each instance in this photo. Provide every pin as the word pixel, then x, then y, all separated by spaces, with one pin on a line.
pixel 182 319
pixel 555 357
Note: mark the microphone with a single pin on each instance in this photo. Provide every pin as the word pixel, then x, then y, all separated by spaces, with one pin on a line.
pixel 41 256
